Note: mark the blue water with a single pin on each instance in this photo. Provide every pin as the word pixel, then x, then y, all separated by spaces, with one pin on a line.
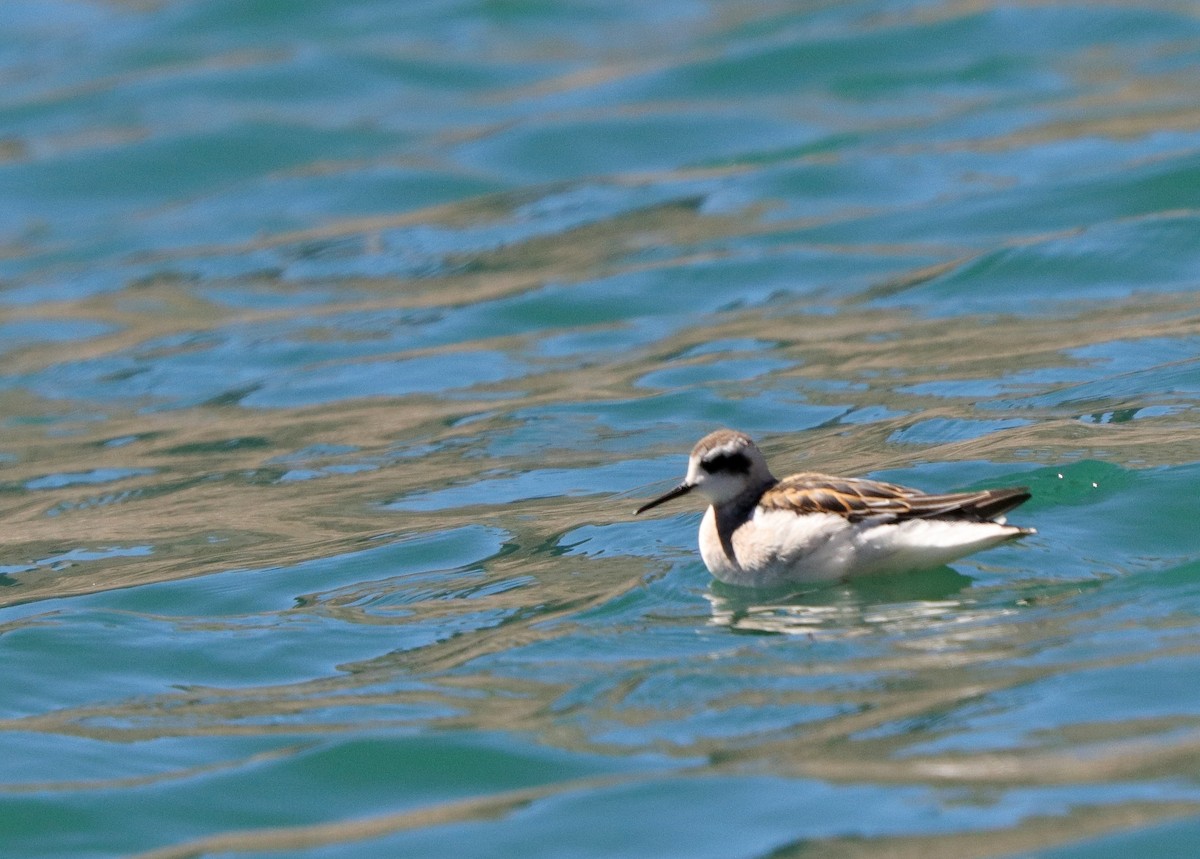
pixel 338 342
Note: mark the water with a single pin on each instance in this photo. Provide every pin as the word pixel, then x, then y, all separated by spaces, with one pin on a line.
pixel 339 342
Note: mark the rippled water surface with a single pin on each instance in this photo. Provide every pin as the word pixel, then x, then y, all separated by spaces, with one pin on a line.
pixel 338 342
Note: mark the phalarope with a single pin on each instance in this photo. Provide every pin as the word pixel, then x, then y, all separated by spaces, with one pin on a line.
pixel 761 531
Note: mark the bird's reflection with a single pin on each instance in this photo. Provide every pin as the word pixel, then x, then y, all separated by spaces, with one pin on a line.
pixel 843 609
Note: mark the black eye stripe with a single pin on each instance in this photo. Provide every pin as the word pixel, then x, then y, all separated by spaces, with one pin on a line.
pixel 735 463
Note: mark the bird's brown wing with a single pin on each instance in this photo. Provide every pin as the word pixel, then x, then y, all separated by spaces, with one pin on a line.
pixel 858 499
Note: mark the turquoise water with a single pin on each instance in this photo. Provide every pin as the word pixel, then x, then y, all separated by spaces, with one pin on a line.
pixel 338 342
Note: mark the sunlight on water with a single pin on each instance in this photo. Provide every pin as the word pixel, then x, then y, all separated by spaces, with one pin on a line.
pixel 338 346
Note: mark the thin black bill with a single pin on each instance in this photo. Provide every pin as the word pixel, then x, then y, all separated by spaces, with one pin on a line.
pixel 681 489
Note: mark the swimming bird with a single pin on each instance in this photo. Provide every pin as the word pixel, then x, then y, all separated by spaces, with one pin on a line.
pixel 761 531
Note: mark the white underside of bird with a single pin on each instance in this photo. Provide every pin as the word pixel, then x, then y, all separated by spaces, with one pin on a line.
pixel 776 546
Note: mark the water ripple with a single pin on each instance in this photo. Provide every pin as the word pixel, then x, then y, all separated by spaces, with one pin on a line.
pixel 340 344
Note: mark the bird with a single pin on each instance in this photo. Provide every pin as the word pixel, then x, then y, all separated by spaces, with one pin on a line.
pixel 761 531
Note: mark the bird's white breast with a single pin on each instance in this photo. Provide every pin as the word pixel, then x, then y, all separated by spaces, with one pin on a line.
pixel 770 547
pixel 774 546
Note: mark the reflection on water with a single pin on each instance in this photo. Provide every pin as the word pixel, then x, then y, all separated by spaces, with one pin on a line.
pixel 928 600
pixel 338 348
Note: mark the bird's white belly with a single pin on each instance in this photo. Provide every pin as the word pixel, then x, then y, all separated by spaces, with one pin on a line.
pixel 778 546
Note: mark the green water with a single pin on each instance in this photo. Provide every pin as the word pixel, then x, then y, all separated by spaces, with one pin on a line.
pixel 338 342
